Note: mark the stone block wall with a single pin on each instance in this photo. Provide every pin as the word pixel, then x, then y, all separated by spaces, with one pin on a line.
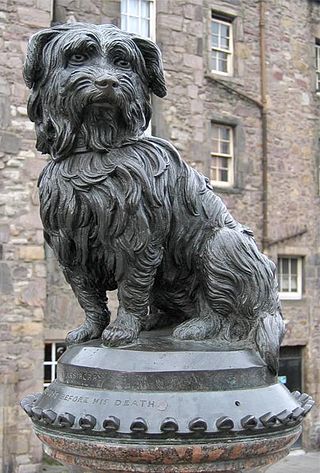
pixel 294 204
pixel 22 265
pixel 36 305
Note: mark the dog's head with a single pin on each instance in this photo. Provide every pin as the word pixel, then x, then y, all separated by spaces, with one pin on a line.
pixel 90 86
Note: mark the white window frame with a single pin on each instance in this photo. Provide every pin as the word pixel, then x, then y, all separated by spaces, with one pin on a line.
pixel 229 156
pixel 229 51
pixel 53 361
pixel 125 13
pixel 291 295
pixel 317 49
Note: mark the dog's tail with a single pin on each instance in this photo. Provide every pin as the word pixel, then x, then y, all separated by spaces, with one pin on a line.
pixel 269 335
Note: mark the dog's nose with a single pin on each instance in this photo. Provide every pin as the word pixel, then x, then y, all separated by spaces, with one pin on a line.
pixel 107 81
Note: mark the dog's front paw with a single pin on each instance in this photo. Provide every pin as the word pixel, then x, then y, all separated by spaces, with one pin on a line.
pixel 116 335
pixel 84 333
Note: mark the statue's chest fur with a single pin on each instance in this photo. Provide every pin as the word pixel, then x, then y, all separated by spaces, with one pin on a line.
pixel 112 201
pixel 98 208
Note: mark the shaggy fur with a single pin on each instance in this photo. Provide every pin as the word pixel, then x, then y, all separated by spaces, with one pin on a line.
pixel 124 211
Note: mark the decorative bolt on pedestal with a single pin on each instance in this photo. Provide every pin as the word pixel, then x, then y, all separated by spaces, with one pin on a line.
pixel 121 210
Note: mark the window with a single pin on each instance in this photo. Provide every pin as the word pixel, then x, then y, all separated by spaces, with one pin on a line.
pixel 52 352
pixel 221 46
pixel 318 66
pixel 137 16
pixel 221 164
pixel 290 277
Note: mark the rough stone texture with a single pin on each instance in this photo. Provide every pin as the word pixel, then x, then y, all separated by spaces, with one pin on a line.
pixel 195 98
pixel 294 190
pixel 22 285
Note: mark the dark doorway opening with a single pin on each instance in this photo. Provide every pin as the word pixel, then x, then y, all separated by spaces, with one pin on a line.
pixel 290 373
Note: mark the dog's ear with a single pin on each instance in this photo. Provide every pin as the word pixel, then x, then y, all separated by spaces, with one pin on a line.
pixel 152 57
pixel 33 63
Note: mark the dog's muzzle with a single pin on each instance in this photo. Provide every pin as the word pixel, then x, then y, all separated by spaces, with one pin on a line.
pixel 106 83
pixel 106 86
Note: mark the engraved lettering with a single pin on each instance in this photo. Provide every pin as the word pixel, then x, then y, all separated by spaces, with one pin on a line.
pixel 101 402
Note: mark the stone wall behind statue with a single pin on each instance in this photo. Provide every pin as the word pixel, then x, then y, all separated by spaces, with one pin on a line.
pixel 37 305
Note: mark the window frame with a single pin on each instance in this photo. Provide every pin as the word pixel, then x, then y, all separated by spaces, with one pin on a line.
pixel 151 19
pixel 231 156
pixel 53 362
pixel 228 21
pixel 317 65
pixel 290 295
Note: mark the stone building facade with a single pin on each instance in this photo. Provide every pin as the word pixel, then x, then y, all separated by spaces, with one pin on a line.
pixel 268 102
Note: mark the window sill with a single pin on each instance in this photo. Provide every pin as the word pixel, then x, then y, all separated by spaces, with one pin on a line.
pixel 290 297
pixel 228 78
pixel 226 190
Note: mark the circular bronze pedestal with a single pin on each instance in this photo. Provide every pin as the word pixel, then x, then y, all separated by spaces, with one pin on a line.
pixel 163 406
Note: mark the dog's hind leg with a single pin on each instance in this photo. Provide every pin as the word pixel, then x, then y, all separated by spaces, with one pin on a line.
pixel 205 323
pixel 134 289
pixel 238 286
pixel 93 300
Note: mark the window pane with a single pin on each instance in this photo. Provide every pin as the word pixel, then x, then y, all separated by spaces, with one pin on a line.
pixel 225 147
pixel 284 283
pixel 225 133
pixel 219 169
pixel 134 7
pixel 145 28
pixel 214 61
pixel 215 28
pixel 123 22
pixel 213 174
pixel 223 62
pixel 215 41
pixel 225 31
pixel 124 6
pixel 47 352
pixel 224 163
pixel 133 24
pixel 225 43
pixel 60 349
pixel 145 9
pixel 285 266
pixel 224 175
pixel 215 146
pixel 47 373
pixel 294 284
pixel 294 266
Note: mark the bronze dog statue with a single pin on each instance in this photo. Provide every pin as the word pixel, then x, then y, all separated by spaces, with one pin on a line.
pixel 121 210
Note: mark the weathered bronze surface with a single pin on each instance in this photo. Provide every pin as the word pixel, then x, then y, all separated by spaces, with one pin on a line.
pixel 122 210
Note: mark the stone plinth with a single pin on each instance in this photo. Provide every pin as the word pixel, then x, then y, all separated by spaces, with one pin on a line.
pixel 166 406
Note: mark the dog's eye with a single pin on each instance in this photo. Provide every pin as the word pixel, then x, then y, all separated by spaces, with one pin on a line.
pixel 121 63
pixel 78 58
